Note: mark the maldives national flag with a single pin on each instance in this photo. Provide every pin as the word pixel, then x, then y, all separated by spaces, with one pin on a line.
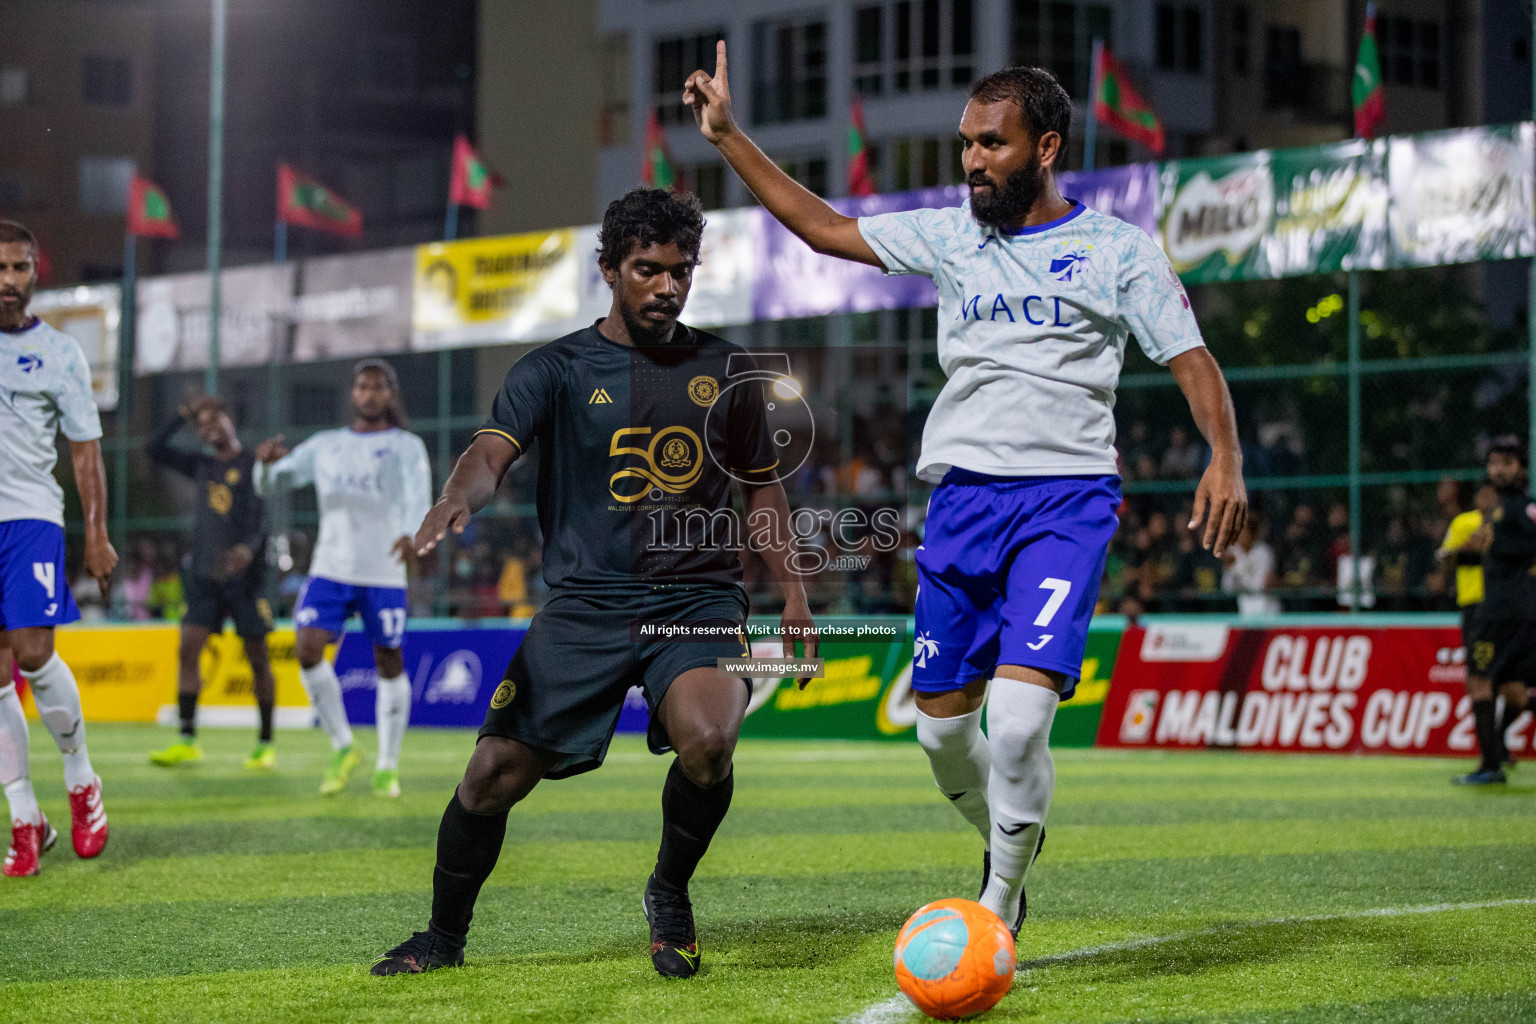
pixel 860 181
pixel 149 212
pixel 656 167
pixel 1366 90
pixel 304 201
pixel 472 183
pixel 1121 107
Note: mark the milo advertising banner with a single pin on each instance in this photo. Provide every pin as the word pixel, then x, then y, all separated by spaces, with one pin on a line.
pixel 866 692
pixel 1463 195
pixel 1330 210
pixel 1214 214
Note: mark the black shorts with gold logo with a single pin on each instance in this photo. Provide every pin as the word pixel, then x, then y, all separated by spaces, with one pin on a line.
pixel 1501 646
pixel 241 597
pixel 584 651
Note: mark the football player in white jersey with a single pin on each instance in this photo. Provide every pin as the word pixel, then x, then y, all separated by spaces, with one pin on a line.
pixel 374 487
pixel 45 387
pixel 1037 298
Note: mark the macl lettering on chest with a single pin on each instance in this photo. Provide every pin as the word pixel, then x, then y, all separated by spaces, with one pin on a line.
pixel 1040 310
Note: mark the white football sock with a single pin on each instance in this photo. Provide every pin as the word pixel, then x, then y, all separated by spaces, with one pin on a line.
pixel 1019 717
pixel 392 712
pixel 13 759
pixel 58 705
pixel 961 762
pixel 324 692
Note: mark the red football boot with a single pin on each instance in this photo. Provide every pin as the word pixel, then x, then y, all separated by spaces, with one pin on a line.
pixel 28 843
pixel 88 819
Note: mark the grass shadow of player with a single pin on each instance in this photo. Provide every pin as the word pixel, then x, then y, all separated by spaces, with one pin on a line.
pixel 262 838
pixel 1238 943
pixel 802 942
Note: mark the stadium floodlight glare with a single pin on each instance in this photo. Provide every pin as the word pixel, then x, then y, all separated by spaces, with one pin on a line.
pixel 788 388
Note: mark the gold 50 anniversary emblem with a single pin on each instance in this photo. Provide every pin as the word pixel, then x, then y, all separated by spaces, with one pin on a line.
pixel 672 462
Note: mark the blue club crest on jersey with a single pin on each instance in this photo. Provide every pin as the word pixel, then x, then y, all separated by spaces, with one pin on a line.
pixel 1064 266
pixel 29 362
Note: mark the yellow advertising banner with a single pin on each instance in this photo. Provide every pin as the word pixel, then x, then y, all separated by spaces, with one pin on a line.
pixel 127 673
pixel 489 290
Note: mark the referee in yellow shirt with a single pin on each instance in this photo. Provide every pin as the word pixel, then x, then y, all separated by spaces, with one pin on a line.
pixel 1467 555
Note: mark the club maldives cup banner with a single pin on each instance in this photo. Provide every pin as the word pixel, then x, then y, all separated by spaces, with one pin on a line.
pixel 1343 689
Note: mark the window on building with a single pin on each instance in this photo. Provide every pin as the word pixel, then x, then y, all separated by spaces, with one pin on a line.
pixel 789 71
pixel 1180 30
pixel 104 184
pixel 1059 36
pixel 705 180
pixel 1285 77
pixel 914 46
pixel 676 59
pixel 386 64
pixel 13 192
pixel 922 163
pixel 15 87
pixel 810 171
pixel 613 109
pixel 107 81
pixel 1241 27
pixel 869 51
pixel 1410 51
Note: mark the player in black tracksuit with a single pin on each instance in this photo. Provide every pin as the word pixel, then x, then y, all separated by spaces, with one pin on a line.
pixel 228 570
pixel 641 432
pixel 1503 655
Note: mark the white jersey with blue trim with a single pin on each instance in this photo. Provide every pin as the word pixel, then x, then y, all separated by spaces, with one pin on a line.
pixel 373 488
pixel 1032 333
pixel 45 388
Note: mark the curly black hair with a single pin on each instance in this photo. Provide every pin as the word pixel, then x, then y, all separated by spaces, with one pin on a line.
pixel 1039 96
pixel 650 216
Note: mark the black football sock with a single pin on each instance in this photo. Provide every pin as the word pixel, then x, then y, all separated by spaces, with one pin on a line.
pixel 265 710
pixel 1507 719
pixel 187 704
pixel 1487 734
pixel 467 847
pixel 689 816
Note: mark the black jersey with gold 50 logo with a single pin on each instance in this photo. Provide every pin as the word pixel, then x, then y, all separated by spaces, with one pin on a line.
pixel 638 450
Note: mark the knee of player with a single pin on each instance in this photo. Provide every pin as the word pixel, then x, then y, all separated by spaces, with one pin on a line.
pixel 389 661
pixel 706 755
pixel 33 653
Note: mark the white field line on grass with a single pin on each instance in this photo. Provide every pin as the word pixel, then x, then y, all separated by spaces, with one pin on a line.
pixel 891 1011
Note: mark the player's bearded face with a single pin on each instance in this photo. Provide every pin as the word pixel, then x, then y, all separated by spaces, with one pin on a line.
pixel 370 394
pixel 997 204
pixel 18 278
pixel 652 287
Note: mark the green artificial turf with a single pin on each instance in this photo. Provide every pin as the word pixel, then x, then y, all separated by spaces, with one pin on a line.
pixel 1174 887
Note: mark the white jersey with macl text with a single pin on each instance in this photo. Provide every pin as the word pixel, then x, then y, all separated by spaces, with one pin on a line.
pixel 373 488
pixel 1032 333
pixel 45 388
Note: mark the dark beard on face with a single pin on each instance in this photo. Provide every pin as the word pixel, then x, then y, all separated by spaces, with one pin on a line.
pixel 643 333
pixel 1000 207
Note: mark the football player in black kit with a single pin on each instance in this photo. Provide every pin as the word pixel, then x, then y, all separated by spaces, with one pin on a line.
pixel 228 572
pixel 636 422
pixel 1503 654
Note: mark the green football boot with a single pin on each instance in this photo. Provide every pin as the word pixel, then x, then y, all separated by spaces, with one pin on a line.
pixel 263 758
pixel 339 770
pixel 183 751
pixel 386 782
